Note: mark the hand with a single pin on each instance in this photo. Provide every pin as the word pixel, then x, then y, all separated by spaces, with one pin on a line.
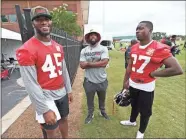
pixel 84 64
pixel 70 98
pixel 50 117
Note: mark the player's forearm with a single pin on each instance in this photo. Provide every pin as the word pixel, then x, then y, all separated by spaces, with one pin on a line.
pixel 127 74
pixel 126 78
pixel 167 72
pixel 66 77
pixel 83 66
pixel 127 60
pixel 97 64
pixel 173 68
pixel 35 92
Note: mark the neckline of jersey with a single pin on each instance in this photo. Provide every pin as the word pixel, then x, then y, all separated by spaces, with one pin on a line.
pixel 43 42
pixel 145 46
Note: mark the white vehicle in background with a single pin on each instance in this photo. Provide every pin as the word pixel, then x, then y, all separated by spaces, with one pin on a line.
pixel 107 41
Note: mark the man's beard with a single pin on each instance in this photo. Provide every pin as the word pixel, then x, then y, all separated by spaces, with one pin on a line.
pixel 92 42
pixel 41 33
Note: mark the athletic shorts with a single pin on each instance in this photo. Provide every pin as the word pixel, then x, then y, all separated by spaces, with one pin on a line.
pixel 63 107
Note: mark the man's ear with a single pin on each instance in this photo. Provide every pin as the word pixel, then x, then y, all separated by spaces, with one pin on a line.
pixel 150 30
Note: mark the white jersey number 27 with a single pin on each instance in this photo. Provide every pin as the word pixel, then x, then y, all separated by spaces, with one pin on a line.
pixel 141 57
pixel 48 66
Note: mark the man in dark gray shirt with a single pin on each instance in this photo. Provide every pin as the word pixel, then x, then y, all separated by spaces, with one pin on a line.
pixel 173 45
pixel 127 52
pixel 45 76
pixel 94 58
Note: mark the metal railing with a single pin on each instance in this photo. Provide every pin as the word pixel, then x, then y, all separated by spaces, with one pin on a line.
pixel 71 46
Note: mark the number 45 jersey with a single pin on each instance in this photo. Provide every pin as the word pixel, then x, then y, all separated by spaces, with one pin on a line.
pixel 47 61
pixel 146 59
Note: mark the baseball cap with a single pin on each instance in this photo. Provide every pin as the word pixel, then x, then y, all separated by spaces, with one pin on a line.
pixel 40 11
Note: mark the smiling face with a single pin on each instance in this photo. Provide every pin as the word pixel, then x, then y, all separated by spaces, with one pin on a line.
pixel 42 25
pixel 143 32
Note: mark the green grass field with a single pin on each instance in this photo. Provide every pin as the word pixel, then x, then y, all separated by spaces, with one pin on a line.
pixel 169 109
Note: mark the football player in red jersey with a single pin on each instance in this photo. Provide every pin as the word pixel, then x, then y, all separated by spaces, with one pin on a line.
pixel 45 76
pixel 145 58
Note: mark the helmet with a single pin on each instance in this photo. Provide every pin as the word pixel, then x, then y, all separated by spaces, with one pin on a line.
pixel 123 98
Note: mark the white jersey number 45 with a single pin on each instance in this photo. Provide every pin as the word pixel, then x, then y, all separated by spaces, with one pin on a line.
pixel 48 66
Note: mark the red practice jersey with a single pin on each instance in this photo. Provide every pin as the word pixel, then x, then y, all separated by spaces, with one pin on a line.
pixel 146 60
pixel 163 40
pixel 46 59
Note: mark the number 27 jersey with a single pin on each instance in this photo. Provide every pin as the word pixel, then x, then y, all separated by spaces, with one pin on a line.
pixel 147 59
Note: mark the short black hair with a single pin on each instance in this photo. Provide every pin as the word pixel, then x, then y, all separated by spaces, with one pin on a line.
pixel 149 24
pixel 173 36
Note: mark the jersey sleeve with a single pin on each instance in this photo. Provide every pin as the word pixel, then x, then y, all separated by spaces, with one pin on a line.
pixel 105 54
pixel 82 55
pixel 35 92
pixel 66 78
pixel 25 58
pixel 162 53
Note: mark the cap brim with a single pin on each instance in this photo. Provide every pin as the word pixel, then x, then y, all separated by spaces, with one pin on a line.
pixel 42 15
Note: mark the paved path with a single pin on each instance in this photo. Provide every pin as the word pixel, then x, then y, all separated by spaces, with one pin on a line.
pixel 11 93
pixel 26 127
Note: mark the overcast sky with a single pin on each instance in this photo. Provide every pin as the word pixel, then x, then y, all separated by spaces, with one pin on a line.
pixel 122 17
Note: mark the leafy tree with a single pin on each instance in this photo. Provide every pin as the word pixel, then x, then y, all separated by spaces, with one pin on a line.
pixel 158 35
pixel 66 20
pixel 4 18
